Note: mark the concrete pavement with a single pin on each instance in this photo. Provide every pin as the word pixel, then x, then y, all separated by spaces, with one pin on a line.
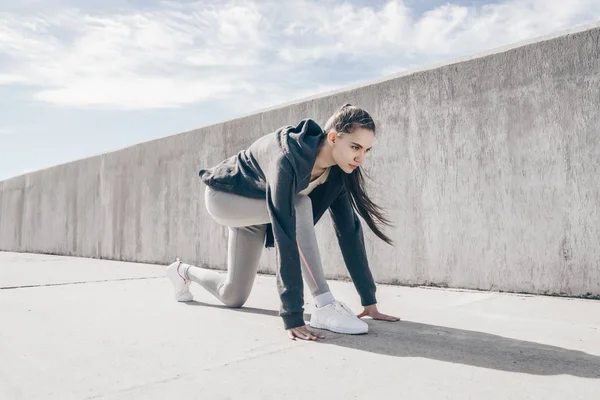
pixel 75 328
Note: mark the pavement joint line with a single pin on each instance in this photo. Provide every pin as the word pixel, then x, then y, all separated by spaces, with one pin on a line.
pixel 78 283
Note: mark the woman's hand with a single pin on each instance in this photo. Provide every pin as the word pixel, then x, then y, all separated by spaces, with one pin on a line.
pixel 371 311
pixel 302 332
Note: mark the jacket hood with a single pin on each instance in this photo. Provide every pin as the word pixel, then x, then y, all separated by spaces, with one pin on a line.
pixel 300 145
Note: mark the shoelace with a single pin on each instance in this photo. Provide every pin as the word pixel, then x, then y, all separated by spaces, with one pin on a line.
pixel 342 308
pixel 186 283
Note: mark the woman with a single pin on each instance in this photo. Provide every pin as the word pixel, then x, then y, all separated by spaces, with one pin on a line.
pixel 273 193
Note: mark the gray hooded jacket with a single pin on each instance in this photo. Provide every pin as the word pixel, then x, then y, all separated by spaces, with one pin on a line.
pixel 287 157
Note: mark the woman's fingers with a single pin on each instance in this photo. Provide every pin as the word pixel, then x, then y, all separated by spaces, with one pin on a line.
pixel 318 335
pixel 299 334
pixel 312 333
pixel 307 336
pixel 304 333
pixel 378 315
pixel 295 335
pixel 387 317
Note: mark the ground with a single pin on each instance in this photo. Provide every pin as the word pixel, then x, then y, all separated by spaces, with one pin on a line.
pixel 76 328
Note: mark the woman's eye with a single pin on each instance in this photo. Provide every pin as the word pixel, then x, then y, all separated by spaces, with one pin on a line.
pixel 355 147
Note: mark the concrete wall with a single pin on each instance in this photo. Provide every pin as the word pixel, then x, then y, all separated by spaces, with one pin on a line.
pixel 489 166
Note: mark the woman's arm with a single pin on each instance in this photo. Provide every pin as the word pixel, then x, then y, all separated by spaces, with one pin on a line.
pixel 280 204
pixel 350 237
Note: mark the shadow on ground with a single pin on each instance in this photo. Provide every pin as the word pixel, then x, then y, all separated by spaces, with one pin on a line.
pixel 412 339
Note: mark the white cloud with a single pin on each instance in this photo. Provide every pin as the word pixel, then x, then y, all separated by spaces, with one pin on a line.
pixel 177 54
pixel 140 60
pixel 450 29
pixel 453 29
pixel 345 30
pixel 7 132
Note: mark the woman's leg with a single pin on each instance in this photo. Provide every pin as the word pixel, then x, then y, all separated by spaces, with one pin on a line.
pixel 244 249
pixel 246 219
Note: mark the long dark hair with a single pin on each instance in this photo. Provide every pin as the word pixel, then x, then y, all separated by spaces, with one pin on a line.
pixel 346 120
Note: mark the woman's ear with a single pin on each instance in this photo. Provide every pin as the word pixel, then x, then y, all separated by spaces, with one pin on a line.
pixel 331 137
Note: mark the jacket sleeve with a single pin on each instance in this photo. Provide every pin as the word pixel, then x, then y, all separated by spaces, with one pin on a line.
pixel 350 237
pixel 280 204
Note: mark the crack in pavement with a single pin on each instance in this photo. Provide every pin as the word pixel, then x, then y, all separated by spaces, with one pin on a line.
pixel 78 283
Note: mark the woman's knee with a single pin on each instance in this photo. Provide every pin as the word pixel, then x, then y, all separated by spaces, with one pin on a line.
pixel 234 303
pixel 234 297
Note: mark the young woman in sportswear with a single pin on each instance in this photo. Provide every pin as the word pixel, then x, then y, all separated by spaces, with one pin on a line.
pixel 272 194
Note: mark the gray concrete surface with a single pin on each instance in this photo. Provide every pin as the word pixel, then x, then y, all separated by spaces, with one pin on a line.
pixel 111 330
pixel 487 165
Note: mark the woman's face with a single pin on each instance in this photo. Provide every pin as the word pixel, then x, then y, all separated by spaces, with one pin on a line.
pixel 350 150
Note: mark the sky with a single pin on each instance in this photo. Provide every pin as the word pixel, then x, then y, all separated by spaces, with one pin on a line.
pixel 79 79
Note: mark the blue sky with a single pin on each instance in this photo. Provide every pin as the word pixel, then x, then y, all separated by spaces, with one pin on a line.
pixel 83 78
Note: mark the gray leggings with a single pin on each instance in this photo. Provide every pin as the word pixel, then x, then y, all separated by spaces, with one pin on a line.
pixel 246 219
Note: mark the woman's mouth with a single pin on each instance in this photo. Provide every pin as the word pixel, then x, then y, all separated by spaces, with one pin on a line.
pixel 353 166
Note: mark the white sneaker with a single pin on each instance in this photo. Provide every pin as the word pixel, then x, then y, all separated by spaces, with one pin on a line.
pixel 337 317
pixel 180 284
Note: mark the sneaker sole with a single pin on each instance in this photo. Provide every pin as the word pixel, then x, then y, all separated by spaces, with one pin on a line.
pixel 184 298
pixel 346 332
